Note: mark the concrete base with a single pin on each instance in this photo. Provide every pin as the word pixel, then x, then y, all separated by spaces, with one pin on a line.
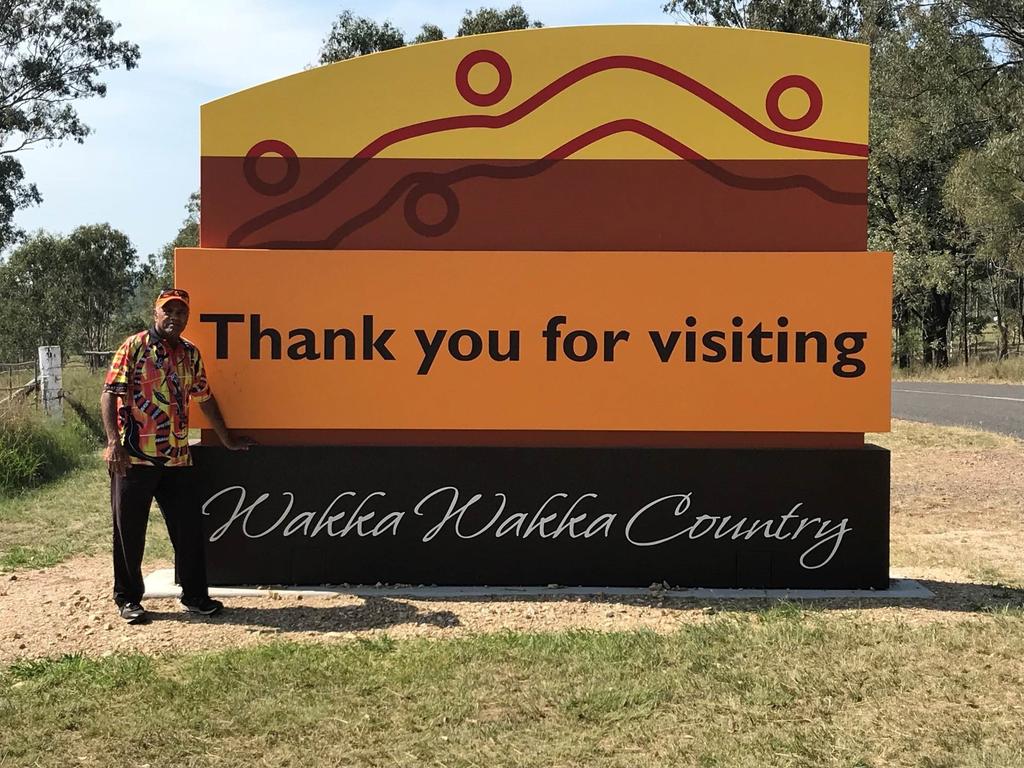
pixel 160 584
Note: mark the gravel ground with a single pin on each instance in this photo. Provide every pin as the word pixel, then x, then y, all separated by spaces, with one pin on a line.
pixel 66 609
pixel 957 525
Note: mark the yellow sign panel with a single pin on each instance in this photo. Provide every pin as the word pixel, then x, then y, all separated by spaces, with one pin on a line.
pixel 727 93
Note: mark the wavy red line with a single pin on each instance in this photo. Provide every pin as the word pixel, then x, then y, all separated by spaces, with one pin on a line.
pixel 710 167
pixel 542 96
pixel 624 125
pixel 605 64
pixel 535 167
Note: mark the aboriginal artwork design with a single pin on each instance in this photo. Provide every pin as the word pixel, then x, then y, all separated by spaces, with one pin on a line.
pixel 611 138
pixel 154 384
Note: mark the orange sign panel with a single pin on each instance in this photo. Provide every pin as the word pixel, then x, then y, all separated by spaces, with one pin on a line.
pixel 533 340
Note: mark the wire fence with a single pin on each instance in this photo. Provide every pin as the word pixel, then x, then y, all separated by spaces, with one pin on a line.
pixel 19 385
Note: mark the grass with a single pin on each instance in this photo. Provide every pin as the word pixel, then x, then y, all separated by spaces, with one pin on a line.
pixel 957 509
pixel 1008 371
pixel 45 526
pixel 54 491
pixel 784 687
pixel 912 435
pixel 35 450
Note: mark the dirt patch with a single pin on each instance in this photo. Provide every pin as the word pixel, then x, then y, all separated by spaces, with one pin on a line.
pixel 957 525
pixel 67 609
pixel 961 512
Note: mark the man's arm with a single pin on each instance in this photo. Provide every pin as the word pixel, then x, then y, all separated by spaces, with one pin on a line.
pixel 212 411
pixel 115 455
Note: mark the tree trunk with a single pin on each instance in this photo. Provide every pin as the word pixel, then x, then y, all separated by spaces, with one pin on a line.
pixel 902 356
pixel 1020 310
pixel 1003 351
pixel 966 302
pixel 935 322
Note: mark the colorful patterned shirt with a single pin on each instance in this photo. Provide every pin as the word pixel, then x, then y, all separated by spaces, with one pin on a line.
pixel 154 383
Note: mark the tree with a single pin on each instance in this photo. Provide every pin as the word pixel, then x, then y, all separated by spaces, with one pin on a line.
pixel 930 103
pixel 999 20
pixel 68 291
pixel 99 278
pixel 843 19
pixel 986 185
pixel 353 35
pixel 935 94
pixel 162 263
pixel 429 33
pixel 157 272
pixel 986 188
pixel 487 20
pixel 51 53
pixel 14 195
pixel 30 314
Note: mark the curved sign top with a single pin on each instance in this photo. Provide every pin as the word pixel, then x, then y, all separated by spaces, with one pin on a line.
pixel 607 137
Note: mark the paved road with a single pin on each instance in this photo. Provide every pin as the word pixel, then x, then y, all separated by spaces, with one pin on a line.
pixel 994 407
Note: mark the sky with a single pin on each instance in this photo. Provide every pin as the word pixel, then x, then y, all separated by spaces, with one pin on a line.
pixel 138 167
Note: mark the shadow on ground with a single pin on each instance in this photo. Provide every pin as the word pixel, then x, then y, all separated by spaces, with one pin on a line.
pixel 383 612
pixel 373 613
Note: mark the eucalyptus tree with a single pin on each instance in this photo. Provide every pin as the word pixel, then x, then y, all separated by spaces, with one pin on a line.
pixel 51 55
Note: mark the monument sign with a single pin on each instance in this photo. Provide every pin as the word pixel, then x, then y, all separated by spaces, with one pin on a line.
pixel 587 306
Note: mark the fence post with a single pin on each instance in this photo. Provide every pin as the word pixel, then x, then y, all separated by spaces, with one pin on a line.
pixel 51 382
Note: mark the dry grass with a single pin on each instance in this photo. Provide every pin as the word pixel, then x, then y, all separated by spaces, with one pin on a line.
pixel 912 438
pixel 1008 371
pixel 957 503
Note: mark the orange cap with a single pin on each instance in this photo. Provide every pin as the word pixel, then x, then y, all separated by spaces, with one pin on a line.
pixel 171 294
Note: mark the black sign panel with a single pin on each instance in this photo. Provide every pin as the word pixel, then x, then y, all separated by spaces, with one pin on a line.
pixel 539 516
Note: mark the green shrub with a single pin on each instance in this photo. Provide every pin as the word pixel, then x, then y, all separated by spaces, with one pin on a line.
pixel 82 387
pixel 34 450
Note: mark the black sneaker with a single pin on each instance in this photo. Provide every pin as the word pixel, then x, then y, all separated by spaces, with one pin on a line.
pixel 206 607
pixel 133 613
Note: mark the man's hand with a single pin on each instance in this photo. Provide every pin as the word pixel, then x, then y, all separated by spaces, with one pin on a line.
pixel 115 455
pixel 238 443
pixel 230 441
pixel 117 459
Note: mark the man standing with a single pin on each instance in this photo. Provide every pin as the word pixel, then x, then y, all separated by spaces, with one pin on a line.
pixel 144 404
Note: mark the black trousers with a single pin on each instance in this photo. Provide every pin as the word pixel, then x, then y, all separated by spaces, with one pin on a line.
pixel 130 499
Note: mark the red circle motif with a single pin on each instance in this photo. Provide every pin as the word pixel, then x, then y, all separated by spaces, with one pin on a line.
pixel 412 213
pixel 480 98
pixel 804 84
pixel 271 147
